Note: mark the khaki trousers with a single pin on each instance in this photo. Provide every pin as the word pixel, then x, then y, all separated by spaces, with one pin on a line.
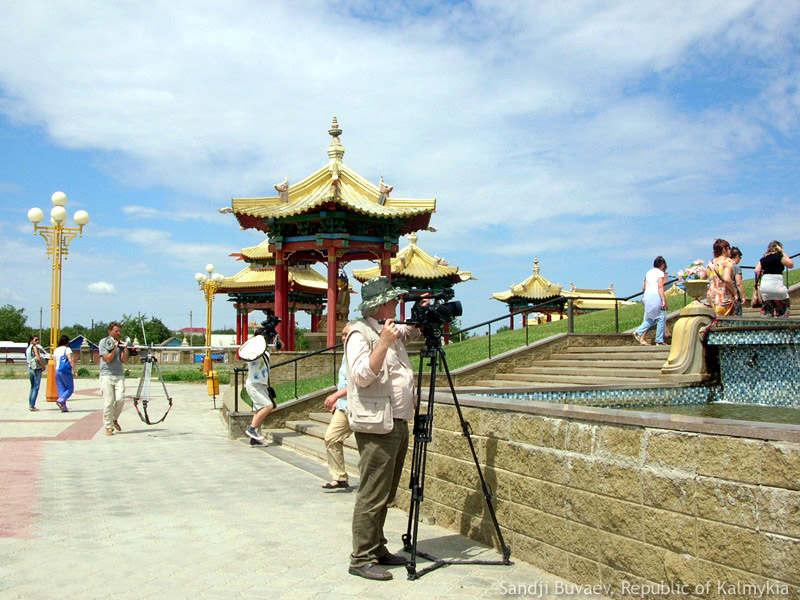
pixel 380 465
pixel 113 388
pixel 338 431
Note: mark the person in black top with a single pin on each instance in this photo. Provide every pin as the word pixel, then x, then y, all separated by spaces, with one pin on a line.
pixel 773 292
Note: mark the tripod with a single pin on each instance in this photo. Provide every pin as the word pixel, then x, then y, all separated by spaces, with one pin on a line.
pixel 144 389
pixel 423 433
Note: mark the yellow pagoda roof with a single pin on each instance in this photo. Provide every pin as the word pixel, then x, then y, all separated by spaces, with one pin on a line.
pixel 674 290
pixel 535 287
pixel 591 299
pixel 335 182
pixel 413 261
pixel 263 277
pixel 260 252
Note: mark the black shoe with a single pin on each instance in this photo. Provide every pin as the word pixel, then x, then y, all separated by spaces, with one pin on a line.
pixel 371 571
pixel 392 559
pixel 255 442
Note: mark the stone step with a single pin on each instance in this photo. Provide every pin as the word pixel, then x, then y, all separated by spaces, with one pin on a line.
pixel 522 379
pixel 634 347
pixel 316 429
pixel 658 353
pixel 310 445
pixel 596 369
pixel 614 363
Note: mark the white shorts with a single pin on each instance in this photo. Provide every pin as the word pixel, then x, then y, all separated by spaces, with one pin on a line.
pixel 259 394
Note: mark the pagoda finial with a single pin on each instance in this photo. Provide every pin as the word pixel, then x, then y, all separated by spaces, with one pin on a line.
pixel 412 239
pixel 536 265
pixel 335 151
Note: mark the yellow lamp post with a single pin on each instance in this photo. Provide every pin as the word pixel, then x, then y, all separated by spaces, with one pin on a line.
pixel 58 239
pixel 209 284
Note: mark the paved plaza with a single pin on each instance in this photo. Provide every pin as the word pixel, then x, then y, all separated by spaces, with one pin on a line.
pixel 178 510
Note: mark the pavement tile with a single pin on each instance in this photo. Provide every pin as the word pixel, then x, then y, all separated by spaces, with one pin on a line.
pixel 177 510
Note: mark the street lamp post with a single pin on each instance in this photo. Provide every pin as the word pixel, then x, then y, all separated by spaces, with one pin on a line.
pixel 57 237
pixel 209 284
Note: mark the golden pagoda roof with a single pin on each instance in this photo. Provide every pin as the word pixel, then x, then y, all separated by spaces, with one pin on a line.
pixel 263 277
pixel 335 182
pixel 413 261
pixel 260 252
pixel 674 290
pixel 592 299
pixel 534 287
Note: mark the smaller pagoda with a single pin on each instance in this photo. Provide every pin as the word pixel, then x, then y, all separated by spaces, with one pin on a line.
pixel 535 290
pixel 586 300
pixel 415 270
pixel 253 288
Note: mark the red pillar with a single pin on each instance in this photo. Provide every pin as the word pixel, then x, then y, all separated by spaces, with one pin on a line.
pixel 386 264
pixel 446 333
pixel 282 295
pixel 315 318
pixel 524 320
pixel 511 321
pixel 333 289
pixel 292 325
pixel 238 326
pixel 402 310
pixel 245 324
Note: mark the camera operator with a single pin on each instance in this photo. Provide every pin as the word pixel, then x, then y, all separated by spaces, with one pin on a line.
pixel 257 384
pixel 380 376
pixel 112 377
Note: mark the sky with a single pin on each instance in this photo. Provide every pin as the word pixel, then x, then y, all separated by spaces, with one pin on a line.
pixel 594 135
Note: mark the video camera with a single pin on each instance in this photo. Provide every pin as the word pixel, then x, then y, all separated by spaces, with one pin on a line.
pixel 268 331
pixel 438 312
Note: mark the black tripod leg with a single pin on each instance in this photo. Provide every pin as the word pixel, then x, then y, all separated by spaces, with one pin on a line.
pixel 487 493
pixel 422 435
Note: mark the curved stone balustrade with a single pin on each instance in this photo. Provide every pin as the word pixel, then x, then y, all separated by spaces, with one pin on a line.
pixel 686 362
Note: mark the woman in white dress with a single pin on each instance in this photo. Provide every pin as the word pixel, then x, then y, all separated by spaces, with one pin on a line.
pixel 655 303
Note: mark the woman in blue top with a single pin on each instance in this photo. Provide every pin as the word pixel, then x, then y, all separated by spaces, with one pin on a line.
pixel 65 382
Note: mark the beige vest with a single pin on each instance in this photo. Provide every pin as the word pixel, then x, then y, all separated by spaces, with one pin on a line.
pixel 369 409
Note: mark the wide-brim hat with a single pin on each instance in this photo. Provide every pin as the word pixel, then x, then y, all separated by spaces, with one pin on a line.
pixel 377 291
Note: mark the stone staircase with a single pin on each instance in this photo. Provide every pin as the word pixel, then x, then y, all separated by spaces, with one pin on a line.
pixel 621 365
pixel 307 437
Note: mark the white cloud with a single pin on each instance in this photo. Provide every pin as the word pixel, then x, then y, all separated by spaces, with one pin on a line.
pixel 101 287
pixel 538 126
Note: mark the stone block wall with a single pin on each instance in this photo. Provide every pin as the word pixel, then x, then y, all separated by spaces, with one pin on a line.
pixel 624 500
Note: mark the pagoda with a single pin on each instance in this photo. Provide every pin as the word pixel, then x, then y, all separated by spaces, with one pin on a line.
pixel 418 272
pixel 253 288
pixel 333 216
pixel 536 289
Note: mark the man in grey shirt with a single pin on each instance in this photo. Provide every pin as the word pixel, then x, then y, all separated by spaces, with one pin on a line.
pixel 112 377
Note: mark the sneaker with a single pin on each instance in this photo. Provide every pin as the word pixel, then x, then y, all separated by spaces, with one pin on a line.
pixel 33 409
pixel 117 427
pixel 252 433
pixel 255 442
pixel 110 431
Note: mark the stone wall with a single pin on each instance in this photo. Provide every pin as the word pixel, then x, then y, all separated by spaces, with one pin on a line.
pixel 598 496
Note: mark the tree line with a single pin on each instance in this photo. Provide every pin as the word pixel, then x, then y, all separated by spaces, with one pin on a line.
pixel 14 328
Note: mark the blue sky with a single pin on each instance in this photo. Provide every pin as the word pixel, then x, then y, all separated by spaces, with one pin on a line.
pixel 595 135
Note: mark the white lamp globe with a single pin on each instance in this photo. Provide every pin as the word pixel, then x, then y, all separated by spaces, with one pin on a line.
pixel 209 267
pixel 200 278
pixel 58 214
pixel 58 199
pixel 81 217
pixel 35 215
pixel 218 277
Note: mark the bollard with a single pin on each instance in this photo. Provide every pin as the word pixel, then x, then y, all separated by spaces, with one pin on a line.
pixel 213 383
